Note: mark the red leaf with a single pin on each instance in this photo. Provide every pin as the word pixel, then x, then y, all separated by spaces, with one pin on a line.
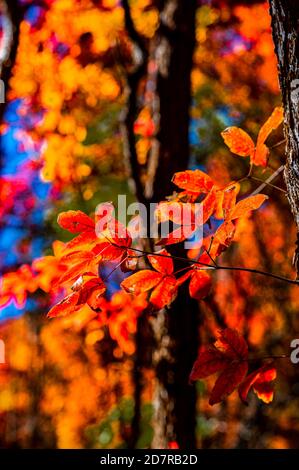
pixel 200 284
pixel 66 306
pixel 141 281
pixel 164 293
pixel 81 263
pixel 75 221
pixel 232 344
pixel 227 381
pixel 259 380
pixel 163 264
pixel 209 361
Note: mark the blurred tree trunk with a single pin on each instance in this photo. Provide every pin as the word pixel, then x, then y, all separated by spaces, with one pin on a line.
pixel 14 14
pixel 166 66
pixel 285 28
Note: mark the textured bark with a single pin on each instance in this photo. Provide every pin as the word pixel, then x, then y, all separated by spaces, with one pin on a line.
pixel 175 331
pixel 285 28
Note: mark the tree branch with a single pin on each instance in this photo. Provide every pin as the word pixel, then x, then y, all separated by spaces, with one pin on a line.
pixel 218 267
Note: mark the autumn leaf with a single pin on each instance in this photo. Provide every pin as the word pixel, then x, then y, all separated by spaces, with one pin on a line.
pixel 229 356
pixel 165 292
pixel 67 306
pixel 232 344
pixel 195 181
pixel 209 361
pixel 228 381
pixel 246 205
pixel 162 262
pixel 260 381
pixel 238 141
pixel 161 281
pixel 260 156
pixel 142 281
pixel 75 221
pixel 78 263
pixel 200 284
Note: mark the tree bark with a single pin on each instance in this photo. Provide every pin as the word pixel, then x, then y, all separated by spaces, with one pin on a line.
pixel 285 29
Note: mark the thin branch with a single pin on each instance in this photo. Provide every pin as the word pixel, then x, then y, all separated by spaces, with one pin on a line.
pixel 278 144
pixel 254 178
pixel 268 180
pixel 219 267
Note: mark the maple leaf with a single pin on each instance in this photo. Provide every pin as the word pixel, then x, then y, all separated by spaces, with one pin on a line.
pixel 210 360
pixel 228 381
pixel 260 381
pixel 240 143
pixel 229 356
pixel 232 344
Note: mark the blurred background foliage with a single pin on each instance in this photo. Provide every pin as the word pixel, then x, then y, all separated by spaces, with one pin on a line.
pixel 70 382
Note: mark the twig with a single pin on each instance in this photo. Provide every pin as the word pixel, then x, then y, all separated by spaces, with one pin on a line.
pixel 218 267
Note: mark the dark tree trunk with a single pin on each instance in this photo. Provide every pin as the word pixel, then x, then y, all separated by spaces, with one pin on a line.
pixel 285 28
pixel 15 15
pixel 176 330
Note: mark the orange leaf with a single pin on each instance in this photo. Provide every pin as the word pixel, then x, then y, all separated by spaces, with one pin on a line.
pixel 208 206
pixel 261 153
pixel 75 221
pixel 141 281
pixel 162 264
pixel 66 306
pixel 193 180
pixel 260 156
pixel 246 205
pixel 229 200
pixel 164 293
pixel 80 263
pixel 270 125
pixel 238 141
pixel 223 237
pixel 260 382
